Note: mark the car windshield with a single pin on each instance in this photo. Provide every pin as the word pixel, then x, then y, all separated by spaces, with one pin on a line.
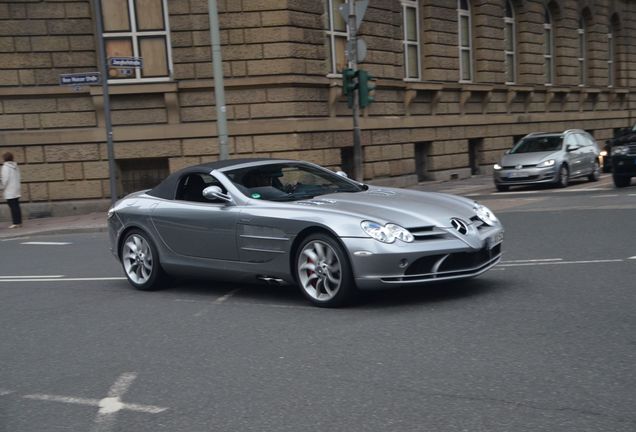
pixel 538 144
pixel 289 182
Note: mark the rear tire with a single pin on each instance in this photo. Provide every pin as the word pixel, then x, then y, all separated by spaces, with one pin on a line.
pixel 323 272
pixel 621 181
pixel 596 173
pixel 140 260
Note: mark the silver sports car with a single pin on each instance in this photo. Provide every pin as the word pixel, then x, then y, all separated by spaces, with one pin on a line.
pixel 285 221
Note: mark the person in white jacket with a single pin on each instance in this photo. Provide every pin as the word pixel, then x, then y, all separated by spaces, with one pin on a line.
pixel 10 182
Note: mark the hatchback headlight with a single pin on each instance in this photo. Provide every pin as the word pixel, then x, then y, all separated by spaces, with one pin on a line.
pixel 547 163
pixel 485 214
pixel 620 150
pixel 497 167
pixel 386 233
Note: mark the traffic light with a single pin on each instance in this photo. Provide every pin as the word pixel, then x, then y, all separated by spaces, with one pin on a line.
pixel 366 88
pixel 349 85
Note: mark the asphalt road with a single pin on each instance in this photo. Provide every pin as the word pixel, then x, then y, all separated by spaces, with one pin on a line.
pixel 543 342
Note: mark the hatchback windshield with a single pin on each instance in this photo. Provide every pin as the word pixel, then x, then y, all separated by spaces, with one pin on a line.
pixel 289 182
pixel 538 144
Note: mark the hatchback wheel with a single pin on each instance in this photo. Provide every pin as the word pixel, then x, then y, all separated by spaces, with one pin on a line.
pixel 323 271
pixel 596 172
pixel 564 177
pixel 140 260
pixel 502 188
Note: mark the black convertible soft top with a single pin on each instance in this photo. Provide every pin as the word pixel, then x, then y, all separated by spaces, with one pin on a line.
pixel 168 187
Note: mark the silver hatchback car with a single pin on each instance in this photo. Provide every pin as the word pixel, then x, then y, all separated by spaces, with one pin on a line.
pixel 549 158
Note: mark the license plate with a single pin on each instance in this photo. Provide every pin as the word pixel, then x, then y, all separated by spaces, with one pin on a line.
pixel 495 240
pixel 517 174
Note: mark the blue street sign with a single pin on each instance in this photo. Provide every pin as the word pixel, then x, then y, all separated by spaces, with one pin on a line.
pixel 126 62
pixel 84 78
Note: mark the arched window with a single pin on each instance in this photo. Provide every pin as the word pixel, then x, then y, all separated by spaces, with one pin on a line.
pixel 510 44
pixel 582 52
pixel 548 40
pixel 465 41
pixel 411 41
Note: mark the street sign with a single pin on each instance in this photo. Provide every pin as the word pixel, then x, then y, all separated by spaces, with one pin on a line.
pixel 77 79
pixel 126 62
pixel 360 7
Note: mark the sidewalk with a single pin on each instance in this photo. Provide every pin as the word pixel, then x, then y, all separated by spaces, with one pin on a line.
pixel 96 222
pixel 91 222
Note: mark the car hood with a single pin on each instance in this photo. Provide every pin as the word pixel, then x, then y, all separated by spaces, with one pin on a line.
pixel 404 207
pixel 526 158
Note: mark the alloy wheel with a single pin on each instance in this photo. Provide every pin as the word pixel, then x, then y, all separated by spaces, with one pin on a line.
pixel 319 271
pixel 137 259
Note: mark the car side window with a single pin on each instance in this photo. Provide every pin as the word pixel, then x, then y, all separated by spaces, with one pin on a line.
pixel 191 187
pixel 570 140
pixel 582 140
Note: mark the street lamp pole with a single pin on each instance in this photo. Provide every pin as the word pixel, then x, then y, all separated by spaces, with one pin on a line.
pixel 358 174
pixel 103 66
pixel 219 88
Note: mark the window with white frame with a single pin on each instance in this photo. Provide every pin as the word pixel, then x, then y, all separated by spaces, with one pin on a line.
pixel 337 36
pixel 611 50
pixel 138 28
pixel 582 52
pixel 548 41
pixel 510 44
pixel 465 41
pixel 411 25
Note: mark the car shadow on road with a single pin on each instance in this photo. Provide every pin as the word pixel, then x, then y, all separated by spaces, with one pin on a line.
pixel 290 296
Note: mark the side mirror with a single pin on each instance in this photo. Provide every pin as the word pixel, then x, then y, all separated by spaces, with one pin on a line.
pixel 571 148
pixel 215 193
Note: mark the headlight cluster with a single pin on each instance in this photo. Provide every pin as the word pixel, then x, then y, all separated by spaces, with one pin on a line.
pixel 485 214
pixel 620 150
pixel 387 233
pixel 547 163
pixel 496 167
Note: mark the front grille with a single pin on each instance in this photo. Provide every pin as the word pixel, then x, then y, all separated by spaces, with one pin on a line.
pixel 454 262
pixel 511 167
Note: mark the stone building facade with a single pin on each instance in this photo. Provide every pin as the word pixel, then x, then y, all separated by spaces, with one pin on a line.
pixel 457 82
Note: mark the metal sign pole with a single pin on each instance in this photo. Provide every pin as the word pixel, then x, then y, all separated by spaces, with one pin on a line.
pixel 103 66
pixel 358 173
pixel 219 89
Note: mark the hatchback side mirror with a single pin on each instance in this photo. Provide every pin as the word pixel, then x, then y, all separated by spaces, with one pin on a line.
pixel 571 148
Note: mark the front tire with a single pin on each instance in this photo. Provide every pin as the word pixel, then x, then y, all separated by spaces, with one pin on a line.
pixel 323 272
pixel 564 177
pixel 621 181
pixel 140 260
pixel 502 188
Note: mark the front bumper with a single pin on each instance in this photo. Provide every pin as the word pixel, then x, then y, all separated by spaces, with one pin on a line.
pixel 526 176
pixel 379 265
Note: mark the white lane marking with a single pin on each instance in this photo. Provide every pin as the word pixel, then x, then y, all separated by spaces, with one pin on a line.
pixel 247 303
pixel 533 260
pixel 108 406
pixel 559 262
pixel 40 243
pixel 603 196
pixel 634 258
pixel 32 277
pixel 4 392
pixel 226 296
pixel 63 279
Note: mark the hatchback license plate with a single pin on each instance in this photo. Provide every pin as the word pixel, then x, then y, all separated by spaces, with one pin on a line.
pixel 517 174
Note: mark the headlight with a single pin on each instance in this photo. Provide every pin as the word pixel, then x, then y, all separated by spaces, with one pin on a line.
pixel 485 214
pixel 386 233
pixel 545 164
pixel 620 150
pixel 496 167
pixel 603 153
